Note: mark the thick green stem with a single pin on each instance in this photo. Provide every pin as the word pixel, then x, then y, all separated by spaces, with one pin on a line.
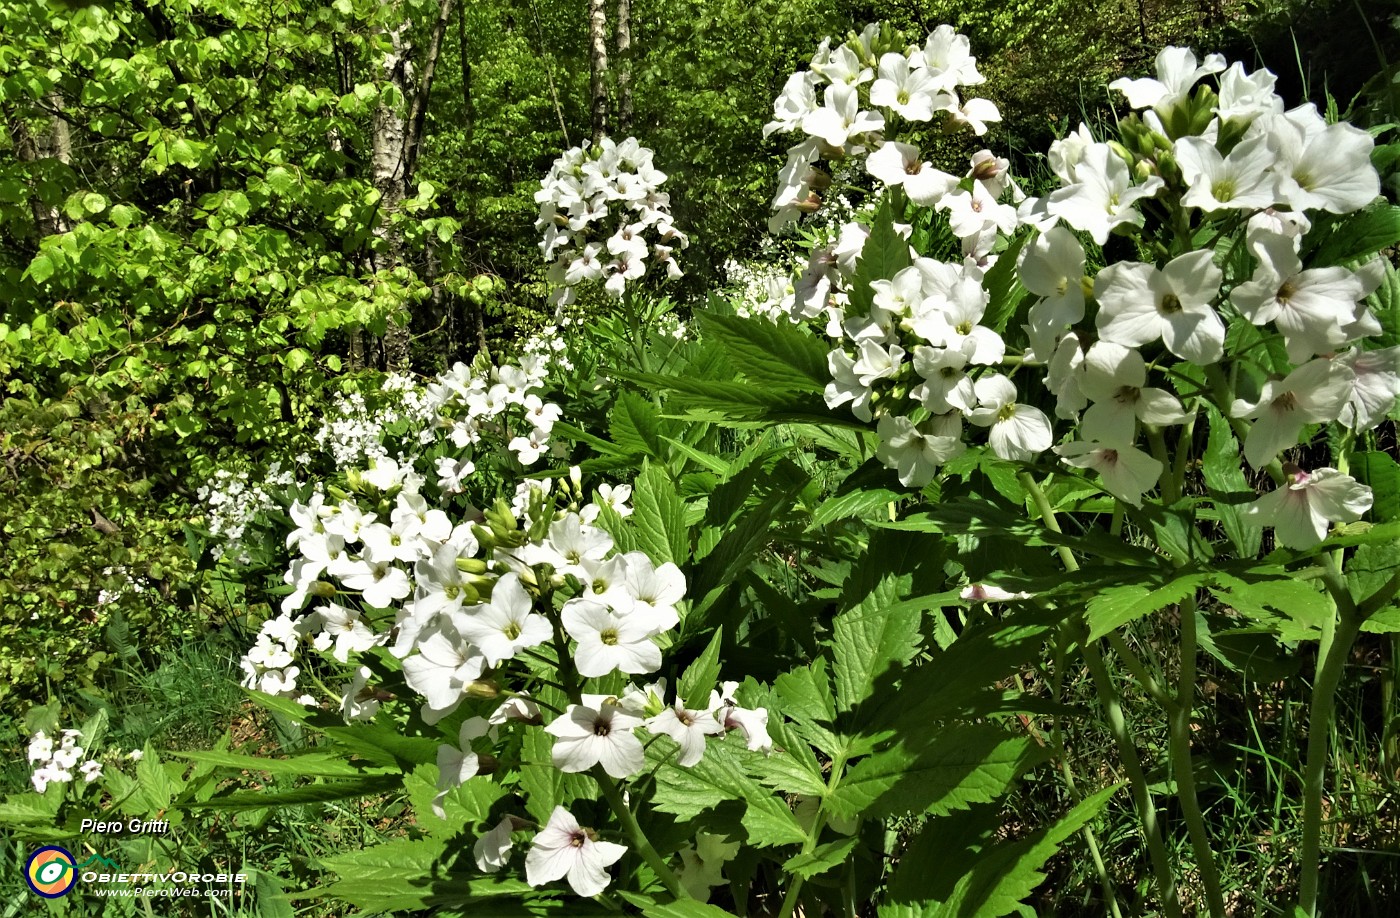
pixel 636 836
pixel 1180 749
pixel 1324 696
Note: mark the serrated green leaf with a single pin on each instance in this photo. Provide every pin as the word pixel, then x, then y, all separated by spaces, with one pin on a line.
pixel 699 679
pixel 311 765
pixel 884 255
pixel 634 426
pixel 1003 286
pixel 1359 236
pixel 311 793
pixel 1297 609
pixel 870 640
pixel 997 881
pixel 781 355
pixel 659 517
pixel 1113 608
pixel 1228 486
pixel 821 859
pixel 1380 472
pixel 953 769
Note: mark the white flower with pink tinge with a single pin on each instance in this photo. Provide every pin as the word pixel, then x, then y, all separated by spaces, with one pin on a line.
pixel 564 849
pixel 1305 505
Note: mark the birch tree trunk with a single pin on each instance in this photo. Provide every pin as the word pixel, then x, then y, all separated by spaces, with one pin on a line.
pixel 598 60
pixel 624 68
pixel 389 173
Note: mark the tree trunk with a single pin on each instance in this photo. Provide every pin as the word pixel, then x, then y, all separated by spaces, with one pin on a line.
pixel 389 174
pixel 598 60
pixel 624 68
pixel 52 144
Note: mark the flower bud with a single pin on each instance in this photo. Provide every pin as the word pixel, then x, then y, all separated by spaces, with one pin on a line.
pixel 483 688
pixel 472 565
pixel 322 590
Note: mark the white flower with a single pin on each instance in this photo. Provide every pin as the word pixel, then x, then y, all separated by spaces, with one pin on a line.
pixel 492 850
pixel 840 117
pixel 351 635
pixel 443 668
pixel 688 728
pixel 40 747
pixel 1239 181
pixel 506 626
pixel 1114 377
pixel 1053 268
pixel 911 93
pixel 1102 196
pixel 1126 471
pixel 1176 74
pixel 379 582
pixel 986 592
pixel 1244 97
pixel 607 641
pixel 136 755
pixel 948 58
pixel 901 164
pixel 1374 388
pixel 946 385
pixel 797 100
pixel 1139 304
pixel 458 764
pixel 1301 509
pixel 1315 392
pixel 753 724
pixel 1018 432
pixel 1311 308
pixel 914 452
pixel 357 703
pixel 1322 166
pixel 564 849
pixel 91 769
pixel 845 386
pixel 597 732
pixel 518 707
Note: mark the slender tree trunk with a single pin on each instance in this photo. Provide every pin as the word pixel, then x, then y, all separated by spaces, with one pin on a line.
pixel 389 174
pixel 624 67
pixel 52 144
pixel 477 317
pixel 598 60
pixel 419 113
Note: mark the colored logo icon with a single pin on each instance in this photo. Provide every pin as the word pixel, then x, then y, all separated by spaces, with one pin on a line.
pixel 50 872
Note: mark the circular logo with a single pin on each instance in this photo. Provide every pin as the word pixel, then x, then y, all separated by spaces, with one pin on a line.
pixel 50 872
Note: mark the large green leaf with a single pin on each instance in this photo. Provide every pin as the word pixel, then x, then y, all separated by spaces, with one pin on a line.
pixel 771 353
pixel 952 769
pixel 634 426
pixel 1359 236
pixel 311 765
pixel 1113 608
pixel 874 638
pixel 659 517
pixel 884 255
pixel 1224 475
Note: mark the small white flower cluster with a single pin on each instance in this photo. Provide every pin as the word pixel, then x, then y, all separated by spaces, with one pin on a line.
pixel 921 363
pixel 548 345
pixel 353 432
pixel 870 71
pixel 598 206
pixel 469 404
pixel 233 501
pixel 54 764
pixel 132 585
pixel 758 289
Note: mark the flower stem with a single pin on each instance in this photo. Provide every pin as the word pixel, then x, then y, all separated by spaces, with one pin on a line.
pixel 635 834
pixel 1118 726
pixel 1179 744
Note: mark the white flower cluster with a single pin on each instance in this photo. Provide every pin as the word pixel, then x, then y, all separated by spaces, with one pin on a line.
pixel 460 604
pixel 132 584
pixel 54 764
pixel 598 206
pixel 921 362
pixel 469 404
pixel 870 71
pixel 232 502
pixel 353 432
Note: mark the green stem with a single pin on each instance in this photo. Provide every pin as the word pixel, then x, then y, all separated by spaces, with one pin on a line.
pixel 1180 752
pixel 636 836
pixel 838 768
pixel 1320 712
pixel 1117 723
